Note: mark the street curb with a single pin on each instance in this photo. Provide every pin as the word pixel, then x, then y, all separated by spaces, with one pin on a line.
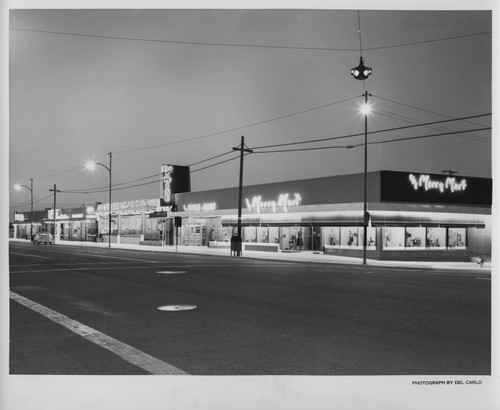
pixel 284 257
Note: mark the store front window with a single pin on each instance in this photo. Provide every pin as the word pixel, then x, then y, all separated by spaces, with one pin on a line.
pixel 424 238
pixel 456 238
pixel 415 237
pixel 349 236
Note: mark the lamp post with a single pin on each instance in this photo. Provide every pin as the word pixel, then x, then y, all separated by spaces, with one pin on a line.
pixel 366 110
pixel 91 165
pixel 361 72
pixel 18 187
pixel 55 190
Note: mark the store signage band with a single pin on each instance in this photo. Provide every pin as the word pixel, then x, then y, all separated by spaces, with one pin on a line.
pixel 284 202
pixel 450 184
pixel 139 204
pixel 208 206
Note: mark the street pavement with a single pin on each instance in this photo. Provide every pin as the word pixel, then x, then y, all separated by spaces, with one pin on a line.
pixel 302 256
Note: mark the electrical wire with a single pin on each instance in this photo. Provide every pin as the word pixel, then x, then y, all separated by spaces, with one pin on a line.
pixel 413 121
pixel 371 132
pixel 247 45
pixel 370 143
pixel 236 128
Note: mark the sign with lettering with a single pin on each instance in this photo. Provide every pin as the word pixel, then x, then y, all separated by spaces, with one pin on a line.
pixel 166 171
pixel 434 188
pixel 175 179
pixel 134 205
pixel 283 203
pixel 426 182
pixel 208 206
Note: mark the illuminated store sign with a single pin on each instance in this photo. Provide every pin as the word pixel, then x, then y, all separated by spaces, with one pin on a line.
pixel 167 182
pixel 209 206
pixel 176 179
pixel 427 183
pixel 430 188
pixel 284 202
pixel 135 205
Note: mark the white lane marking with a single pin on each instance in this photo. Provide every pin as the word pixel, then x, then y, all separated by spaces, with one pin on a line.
pixel 33 256
pixel 112 257
pixel 126 352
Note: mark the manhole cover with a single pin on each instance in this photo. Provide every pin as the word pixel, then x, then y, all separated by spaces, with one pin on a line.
pixel 171 272
pixel 176 308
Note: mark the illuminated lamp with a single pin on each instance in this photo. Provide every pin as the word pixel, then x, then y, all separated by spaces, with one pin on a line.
pixel 361 72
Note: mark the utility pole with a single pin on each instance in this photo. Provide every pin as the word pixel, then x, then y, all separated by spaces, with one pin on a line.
pixel 365 206
pixel 109 216
pixel 31 214
pixel 54 211
pixel 242 150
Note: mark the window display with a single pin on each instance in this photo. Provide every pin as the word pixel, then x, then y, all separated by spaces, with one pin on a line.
pixel 456 237
pixel 394 237
pixel 349 236
pixel 436 237
pixel 415 237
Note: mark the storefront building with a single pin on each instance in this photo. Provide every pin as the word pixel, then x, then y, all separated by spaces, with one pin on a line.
pixel 413 216
pixel 72 224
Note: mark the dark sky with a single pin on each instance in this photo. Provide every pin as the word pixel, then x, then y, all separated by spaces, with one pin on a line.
pixel 182 86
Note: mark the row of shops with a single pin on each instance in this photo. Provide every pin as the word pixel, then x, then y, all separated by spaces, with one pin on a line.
pixel 411 216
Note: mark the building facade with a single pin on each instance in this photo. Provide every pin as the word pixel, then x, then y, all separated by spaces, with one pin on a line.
pixel 412 216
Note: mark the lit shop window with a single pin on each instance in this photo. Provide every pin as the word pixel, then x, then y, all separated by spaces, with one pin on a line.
pixel 394 238
pixel 332 236
pixel 436 238
pixel 249 234
pixel 456 238
pixel 263 234
pixel 349 236
pixel 415 237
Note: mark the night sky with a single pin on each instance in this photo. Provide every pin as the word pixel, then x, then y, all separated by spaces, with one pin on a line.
pixel 182 86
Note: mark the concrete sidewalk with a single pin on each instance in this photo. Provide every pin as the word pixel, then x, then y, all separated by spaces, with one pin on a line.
pixel 302 256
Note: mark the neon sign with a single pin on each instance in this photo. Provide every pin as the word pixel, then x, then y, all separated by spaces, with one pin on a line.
pixel 208 206
pixel 450 184
pixel 284 202
pixel 133 205
pixel 167 182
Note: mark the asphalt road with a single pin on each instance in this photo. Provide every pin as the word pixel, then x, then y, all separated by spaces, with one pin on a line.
pixel 95 311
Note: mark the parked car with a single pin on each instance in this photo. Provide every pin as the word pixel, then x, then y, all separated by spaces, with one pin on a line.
pixel 43 237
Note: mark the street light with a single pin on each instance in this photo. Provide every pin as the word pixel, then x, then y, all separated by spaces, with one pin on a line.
pixel 18 187
pixel 91 166
pixel 361 72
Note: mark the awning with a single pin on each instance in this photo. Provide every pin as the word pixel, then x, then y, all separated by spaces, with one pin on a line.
pixel 355 218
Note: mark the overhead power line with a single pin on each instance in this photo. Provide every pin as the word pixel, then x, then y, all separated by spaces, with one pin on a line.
pixel 372 132
pixel 371 142
pixel 210 44
pixel 236 128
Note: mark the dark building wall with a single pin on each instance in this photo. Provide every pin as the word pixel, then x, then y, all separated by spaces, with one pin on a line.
pixel 337 189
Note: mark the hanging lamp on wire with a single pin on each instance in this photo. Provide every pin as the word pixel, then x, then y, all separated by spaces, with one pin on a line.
pixel 361 72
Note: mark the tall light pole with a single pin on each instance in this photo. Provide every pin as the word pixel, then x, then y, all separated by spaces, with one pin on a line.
pixel 361 72
pixel 366 110
pixel 18 187
pixel 91 165
pixel 54 211
pixel 242 150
